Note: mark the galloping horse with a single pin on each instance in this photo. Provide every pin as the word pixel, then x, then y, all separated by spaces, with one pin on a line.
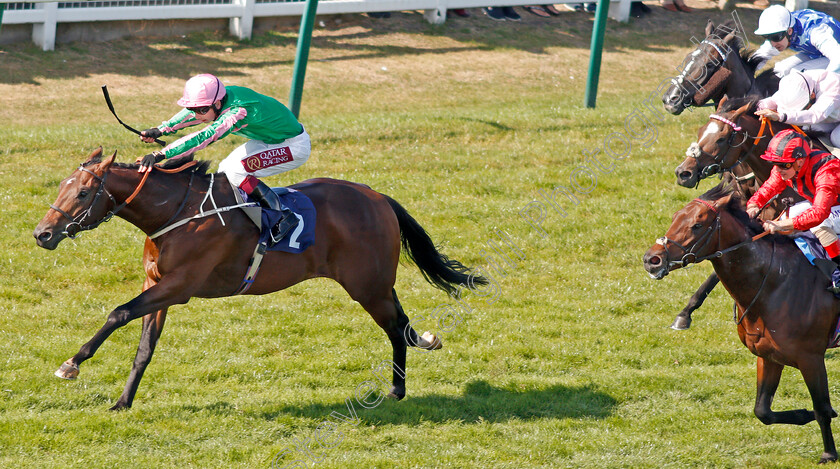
pixel 718 67
pixel 785 316
pixel 731 143
pixel 357 243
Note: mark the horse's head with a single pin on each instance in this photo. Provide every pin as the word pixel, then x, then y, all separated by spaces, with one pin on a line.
pixel 82 202
pixel 694 234
pixel 704 74
pixel 720 144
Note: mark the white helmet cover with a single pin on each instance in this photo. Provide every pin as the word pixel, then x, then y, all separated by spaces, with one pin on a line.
pixel 774 19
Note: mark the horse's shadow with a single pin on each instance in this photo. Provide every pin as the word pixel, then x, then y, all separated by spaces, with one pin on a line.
pixel 480 402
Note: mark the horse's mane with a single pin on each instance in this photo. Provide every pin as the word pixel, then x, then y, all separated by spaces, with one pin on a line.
pixel 735 208
pixel 724 29
pixel 200 169
pixel 736 103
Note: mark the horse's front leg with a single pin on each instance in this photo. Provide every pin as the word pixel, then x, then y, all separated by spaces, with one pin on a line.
pixel 157 298
pixel 683 320
pixel 152 327
pixel 813 371
pixel 768 374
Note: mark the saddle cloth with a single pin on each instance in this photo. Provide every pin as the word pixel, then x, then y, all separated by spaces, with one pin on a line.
pixel 301 236
pixel 812 249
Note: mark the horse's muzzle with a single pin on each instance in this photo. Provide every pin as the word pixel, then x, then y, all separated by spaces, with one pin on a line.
pixel 687 176
pixel 47 238
pixel 656 263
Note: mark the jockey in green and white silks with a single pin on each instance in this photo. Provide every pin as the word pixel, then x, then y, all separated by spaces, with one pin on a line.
pixel 278 142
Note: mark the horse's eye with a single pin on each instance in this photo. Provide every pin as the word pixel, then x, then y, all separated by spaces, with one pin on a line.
pixel 83 194
pixel 697 226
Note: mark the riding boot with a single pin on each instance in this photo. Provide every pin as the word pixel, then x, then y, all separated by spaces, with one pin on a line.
pixel 268 199
pixel 827 267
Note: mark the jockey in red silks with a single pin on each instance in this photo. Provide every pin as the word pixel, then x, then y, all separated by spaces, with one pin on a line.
pixel 815 175
pixel 278 142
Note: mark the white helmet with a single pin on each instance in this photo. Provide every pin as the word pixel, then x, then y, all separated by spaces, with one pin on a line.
pixel 794 92
pixel 774 19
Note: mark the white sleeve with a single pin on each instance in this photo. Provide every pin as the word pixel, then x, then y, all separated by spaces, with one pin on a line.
pixel 765 53
pixel 828 100
pixel 822 37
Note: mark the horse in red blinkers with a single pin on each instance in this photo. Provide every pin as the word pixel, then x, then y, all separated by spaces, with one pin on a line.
pixel 784 314
pixel 358 235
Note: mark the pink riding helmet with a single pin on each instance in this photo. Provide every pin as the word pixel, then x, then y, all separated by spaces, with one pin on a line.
pixel 202 90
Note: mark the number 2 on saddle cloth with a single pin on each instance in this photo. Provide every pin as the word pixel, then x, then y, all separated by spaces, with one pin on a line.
pixel 301 236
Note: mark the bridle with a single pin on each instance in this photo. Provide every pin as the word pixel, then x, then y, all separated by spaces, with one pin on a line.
pixel 690 254
pixel 76 222
pixel 682 78
pixel 696 152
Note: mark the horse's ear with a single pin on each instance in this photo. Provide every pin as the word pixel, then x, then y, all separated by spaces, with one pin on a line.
pixel 106 163
pixel 722 100
pixel 710 27
pixel 729 37
pixel 741 110
pixel 96 154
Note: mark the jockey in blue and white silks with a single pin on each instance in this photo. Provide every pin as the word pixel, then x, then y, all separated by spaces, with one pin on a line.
pixel 814 35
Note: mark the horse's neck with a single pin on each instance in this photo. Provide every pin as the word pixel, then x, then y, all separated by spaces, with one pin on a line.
pixel 743 270
pixel 760 167
pixel 162 196
pixel 742 79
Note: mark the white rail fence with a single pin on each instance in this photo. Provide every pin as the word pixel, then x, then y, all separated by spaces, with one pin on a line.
pixel 45 15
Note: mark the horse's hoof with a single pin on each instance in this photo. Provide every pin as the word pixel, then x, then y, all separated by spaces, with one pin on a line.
pixel 828 457
pixel 67 370
pixel 396 394
pixel 432 341
pixel 681 323
pixel 120 406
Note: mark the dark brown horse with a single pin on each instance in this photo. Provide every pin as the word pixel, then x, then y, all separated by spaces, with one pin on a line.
pixel 357 243
pixel 719 66
pixel 785 316
pixel 730 144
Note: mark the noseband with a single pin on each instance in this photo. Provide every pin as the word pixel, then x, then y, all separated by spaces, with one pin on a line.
pixel 76 222
pixel 681 78
pixel 690 253
pixel 694 150
pixel 75 226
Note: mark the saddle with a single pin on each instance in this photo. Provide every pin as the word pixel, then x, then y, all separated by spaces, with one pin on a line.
pixel 299 238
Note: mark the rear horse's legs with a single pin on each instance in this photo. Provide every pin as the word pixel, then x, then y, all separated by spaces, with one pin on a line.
pixel 389 315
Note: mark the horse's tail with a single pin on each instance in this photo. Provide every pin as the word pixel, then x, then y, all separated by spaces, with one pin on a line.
pixel 437 269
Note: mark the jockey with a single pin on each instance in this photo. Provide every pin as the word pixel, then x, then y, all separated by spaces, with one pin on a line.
pixel 811 98
pixel 815 175
pixel 278 142
pixel 814 35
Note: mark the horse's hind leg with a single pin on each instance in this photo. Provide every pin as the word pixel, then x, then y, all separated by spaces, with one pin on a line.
pixel 813 371
pixel 683 319
pixel 385 311
pixel 427 341
pixel 768 374
pixel 152 327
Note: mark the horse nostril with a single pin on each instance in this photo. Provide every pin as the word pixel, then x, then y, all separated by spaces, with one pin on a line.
pixel 684 175
pixel 44 236
pixel 654 260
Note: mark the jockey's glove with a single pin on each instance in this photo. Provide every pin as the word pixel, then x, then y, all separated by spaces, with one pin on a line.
pixel 154 132
pixel 149 160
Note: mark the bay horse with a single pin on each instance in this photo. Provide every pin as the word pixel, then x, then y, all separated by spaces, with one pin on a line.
pixel 784 314
pixel 719 66
pixel 358 235
pixel 731 144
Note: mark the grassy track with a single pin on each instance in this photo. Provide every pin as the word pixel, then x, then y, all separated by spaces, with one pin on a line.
pixel 571 365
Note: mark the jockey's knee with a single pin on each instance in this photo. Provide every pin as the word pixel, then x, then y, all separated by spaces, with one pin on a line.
pixel 826 235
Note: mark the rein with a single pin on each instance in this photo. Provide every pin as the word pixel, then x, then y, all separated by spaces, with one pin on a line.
pixel 715 226
pixel 76 222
